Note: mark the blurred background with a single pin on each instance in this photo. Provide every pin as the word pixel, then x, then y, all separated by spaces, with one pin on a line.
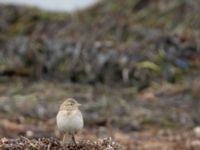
pixel 133 64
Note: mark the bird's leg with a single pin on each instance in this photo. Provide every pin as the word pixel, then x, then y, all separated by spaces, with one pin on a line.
pixel 73 138
pixel 63 140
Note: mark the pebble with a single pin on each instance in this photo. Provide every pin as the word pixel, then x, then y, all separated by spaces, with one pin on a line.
pixel 196 131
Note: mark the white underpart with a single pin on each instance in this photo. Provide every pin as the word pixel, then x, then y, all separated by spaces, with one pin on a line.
pixel 54 5
pixel 71 123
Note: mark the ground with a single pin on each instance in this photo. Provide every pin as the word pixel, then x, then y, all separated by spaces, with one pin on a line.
pixel 155 118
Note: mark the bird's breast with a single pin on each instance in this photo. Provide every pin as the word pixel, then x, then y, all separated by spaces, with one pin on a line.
pixel 69 121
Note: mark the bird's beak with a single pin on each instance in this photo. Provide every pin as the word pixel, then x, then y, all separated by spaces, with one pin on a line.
pixel 78 104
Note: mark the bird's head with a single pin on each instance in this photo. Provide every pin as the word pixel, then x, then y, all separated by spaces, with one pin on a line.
pixel 69 103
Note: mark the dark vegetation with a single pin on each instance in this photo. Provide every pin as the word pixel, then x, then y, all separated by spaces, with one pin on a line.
pixel 135 65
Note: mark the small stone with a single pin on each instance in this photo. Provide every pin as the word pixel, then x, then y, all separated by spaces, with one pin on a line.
pixel 195 143
pixel 196 131
pixel 29 133
pixel 4 140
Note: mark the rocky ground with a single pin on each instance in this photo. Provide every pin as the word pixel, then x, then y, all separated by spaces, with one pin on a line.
pixel 50 143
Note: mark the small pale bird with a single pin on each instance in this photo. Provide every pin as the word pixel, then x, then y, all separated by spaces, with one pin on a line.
pixel 69 118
